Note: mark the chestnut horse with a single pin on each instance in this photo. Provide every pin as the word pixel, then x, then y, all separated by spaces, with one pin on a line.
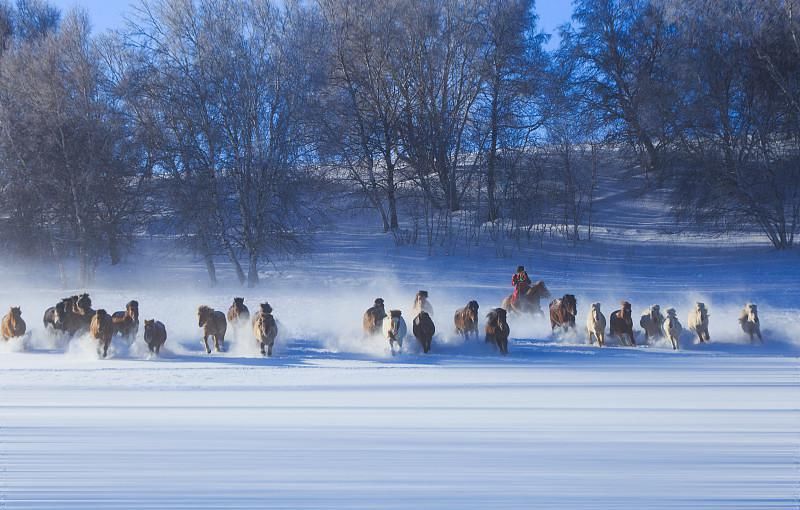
pixel 373 318
pixel 126 323
pixel 563 312
pixel 466 320
pixel 102 329
pixel 13 326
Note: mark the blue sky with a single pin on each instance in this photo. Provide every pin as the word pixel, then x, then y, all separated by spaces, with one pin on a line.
pixel 107 14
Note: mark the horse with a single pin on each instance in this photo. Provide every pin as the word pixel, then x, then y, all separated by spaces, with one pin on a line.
pixel 750 323
pixel 394 329
pixel 652 321
pixel 126 323
pixel 13 326
pixel 621 324
pixel 466 320
pixel 54 317
pixel 213 324
pixel 672 328
pixel 83 310
pixel 596 325
pixel 63 317
pixel 373 318
pixel 101 328
pixel 563 312
pixel 497 329
pixel 698 322
pixel 265 328
pixel 421 304
pixel 424 330
pixel 155 335
pixel 529 301
pixel 238 313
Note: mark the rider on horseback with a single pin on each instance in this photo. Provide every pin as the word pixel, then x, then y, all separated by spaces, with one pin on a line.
pixel 521 282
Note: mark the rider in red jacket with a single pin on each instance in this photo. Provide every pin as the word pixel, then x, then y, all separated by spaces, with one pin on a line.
pixel 521 282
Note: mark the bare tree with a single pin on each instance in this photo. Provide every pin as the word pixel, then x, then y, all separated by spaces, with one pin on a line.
pixel 65 146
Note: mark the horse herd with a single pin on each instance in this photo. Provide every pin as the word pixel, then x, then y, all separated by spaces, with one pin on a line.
pixel 73 315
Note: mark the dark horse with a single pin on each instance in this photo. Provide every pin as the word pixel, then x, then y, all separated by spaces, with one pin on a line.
pixel 424 329
pixel 497 329
pixel 621 324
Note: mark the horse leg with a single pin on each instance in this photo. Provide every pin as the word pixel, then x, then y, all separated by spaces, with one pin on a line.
pixel 263 350
pixel 205 343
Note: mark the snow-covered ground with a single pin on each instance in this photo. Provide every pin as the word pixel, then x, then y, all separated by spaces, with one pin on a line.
pixel 334 421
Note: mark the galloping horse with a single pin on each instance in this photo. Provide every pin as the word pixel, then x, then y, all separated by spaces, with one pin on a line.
pixel 528 302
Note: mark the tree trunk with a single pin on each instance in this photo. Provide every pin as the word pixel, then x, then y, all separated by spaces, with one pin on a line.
pixel 234 260
pixel 113 247
pixel 252 270
pixel 212 270
pixel 391 194
pixel 492 160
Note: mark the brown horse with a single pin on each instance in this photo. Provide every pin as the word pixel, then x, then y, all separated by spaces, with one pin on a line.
pixel 621 324
pixel 155 335
pixel 424 330
pixel 13 326
pixel 497 330
pixel 126 323
pixel 529 301
pixel 373 318
pixel 102 329
pixel 213 324
pixel 265 328
pixel 238 312
pixel 563 312
pixel 466 320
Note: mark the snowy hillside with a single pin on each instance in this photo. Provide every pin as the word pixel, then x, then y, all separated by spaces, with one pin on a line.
pixel 334 421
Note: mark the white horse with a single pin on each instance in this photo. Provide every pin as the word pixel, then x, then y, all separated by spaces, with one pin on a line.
pixel 394 329
pixel 698 322
pixel 596 325
pixel 652 322
pixel 673 328
pixel 421 304
pixel 750 323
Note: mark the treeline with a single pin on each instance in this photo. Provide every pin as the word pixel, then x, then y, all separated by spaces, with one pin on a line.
pixel 239 125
